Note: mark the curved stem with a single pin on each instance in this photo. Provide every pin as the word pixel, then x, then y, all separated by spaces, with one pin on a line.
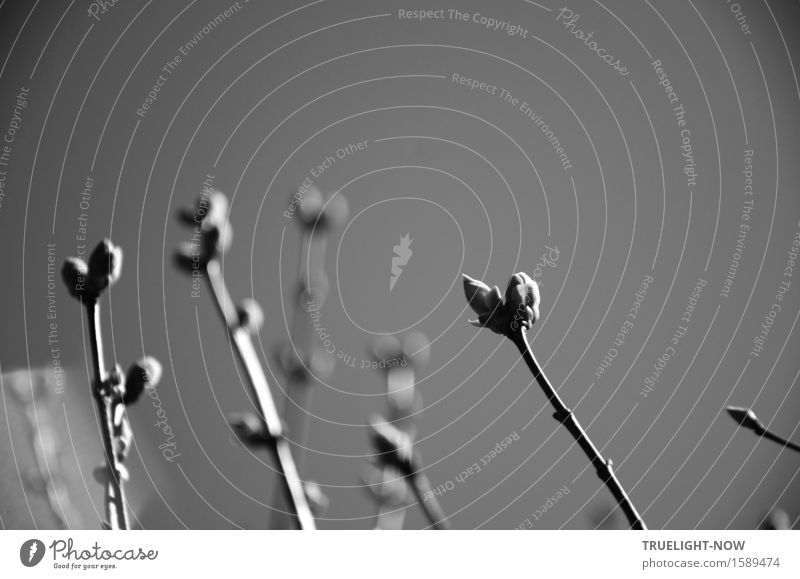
pixel 566 417
pixel 279 446
pixel 115 492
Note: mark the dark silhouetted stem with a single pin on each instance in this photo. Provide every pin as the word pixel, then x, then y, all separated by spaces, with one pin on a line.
pixel 278 444
pixel 566 417
pixel 115 492
pixel 782 441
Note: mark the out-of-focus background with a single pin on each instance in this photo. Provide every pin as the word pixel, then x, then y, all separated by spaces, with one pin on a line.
pixel 596 146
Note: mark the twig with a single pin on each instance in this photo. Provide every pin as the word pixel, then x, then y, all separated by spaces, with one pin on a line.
pixel 116 512
pixel 748 419
pixel 513 317
pixel 399 363
pixel 273 429
pixel 566 417
pixel 395 451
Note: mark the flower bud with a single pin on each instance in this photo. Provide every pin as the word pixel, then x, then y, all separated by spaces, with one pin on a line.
pixel 390 491
pixel 776 520
pixel 387 351
pixel 218 208
pixel 318 501
pixel 74 272
pixel 746 418
pixel 144 373
pixel 486 302
pixel 186 257
pixel 519 310
pixel 404 409
pixel 210 210
pixel 216 241
pixel 310 206
pixel 320 215
pixel 250 314
pixel 393 445
pixel 522 297
pixel 105 265
pixel 248 428
pixel 417 348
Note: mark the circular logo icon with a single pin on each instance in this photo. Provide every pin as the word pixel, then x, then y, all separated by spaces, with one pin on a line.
pixel 31 552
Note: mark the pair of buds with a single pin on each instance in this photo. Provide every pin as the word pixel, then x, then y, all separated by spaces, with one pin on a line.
pixel 512 318
pixel 320 215
pixel 519 310
pixel 213 234
pixel 87 281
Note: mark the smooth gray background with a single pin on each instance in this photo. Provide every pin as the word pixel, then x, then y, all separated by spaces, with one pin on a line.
pixel 478 188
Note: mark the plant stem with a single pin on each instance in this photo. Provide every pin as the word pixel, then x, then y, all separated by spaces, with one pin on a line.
pixel 566 417
pixel 299 389
pixel 389 517
pixel 115 493
pixel 278 444
pixel 398 380
pixel 780 440
pixel 431 507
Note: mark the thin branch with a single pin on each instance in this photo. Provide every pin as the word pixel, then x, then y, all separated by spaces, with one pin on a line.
pixel 273 429
pixel 566 417
pixel 748 419
pixel 115 492
pixel 782 441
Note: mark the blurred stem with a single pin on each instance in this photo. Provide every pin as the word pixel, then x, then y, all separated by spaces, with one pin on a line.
pixel 310 279
pixel 389 517
pixel 431 507
pixel 398 380
pixel 310 270
pixel 114 493
pixel 273 429
pixel 566 417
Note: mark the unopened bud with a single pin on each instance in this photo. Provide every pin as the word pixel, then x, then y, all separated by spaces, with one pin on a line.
pixel 746 418
pixel 317 499
pixel 776 520
pixel 105 265
pixel 320 215
pixel 417 348
pixel 393 445
pixel 251 316
pixel 74 272
pixel 144 373
pixel 520 309
pixel 248 428
pixel 386 488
